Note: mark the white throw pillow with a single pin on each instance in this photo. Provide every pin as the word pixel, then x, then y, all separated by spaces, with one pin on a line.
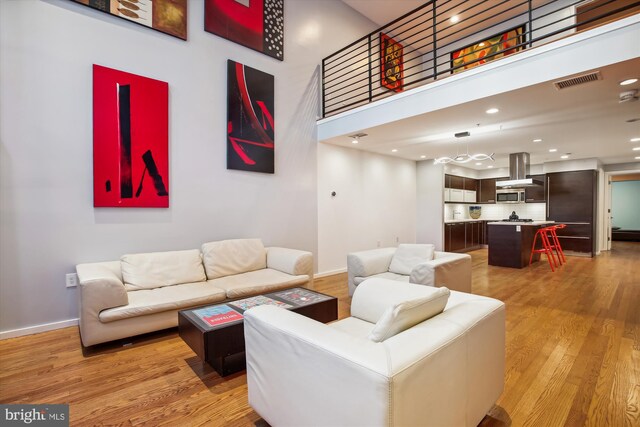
pixel 408 256
pixel 158 269
pixel 229 257
pixel 406 314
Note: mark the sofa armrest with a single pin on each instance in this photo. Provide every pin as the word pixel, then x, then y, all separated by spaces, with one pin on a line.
pixel 448 269
pixel 293 360
pixel 367 263
pixel 290 261
pixel 100 287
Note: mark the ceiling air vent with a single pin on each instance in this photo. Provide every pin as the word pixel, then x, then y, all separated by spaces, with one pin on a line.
pixel 578 80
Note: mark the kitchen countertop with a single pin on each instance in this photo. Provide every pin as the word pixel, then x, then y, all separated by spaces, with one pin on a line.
pixel 447 221
pixel 521 223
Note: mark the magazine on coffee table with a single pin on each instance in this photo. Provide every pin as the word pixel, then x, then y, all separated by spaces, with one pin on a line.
pixel 299 296
pixel 247 303
pixel 217 315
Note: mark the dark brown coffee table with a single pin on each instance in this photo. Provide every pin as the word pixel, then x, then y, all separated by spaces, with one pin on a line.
pixel 216 332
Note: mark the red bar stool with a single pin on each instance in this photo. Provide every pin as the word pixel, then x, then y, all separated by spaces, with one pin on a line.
pixel 542 233
pixel 556 242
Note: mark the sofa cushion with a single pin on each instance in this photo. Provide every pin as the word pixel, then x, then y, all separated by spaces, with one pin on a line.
pixel 158 269
pixel 386 275
pixel 408 256
pixel 229 257
pixel 401 316
pixel 150 301
pixel 257 282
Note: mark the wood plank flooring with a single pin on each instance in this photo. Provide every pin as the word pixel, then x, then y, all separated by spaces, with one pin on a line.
pixel 573 357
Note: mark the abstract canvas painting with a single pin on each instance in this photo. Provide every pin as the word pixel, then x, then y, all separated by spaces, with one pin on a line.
pixel 256 24
pixel 130 140
pixel 250 119
pixel 499 46
pixel 168 16
pixel 391 63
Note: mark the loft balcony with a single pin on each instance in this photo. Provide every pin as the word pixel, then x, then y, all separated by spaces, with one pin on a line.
pixel 522 83
pixel 451 39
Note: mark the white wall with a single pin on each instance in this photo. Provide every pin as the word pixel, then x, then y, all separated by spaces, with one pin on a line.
pixel 430 199
pixel 374 206
pixel 48 223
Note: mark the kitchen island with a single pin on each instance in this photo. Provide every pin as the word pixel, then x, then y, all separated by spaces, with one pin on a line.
pixel 510 242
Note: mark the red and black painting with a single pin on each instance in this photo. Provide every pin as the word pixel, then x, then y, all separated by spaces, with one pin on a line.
pixel 256 24
pixel 391 63
pixel 130 140
pixel 250 119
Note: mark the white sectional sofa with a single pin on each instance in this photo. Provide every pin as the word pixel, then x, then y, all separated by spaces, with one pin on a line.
pixel 413 263
pixel 143 292
pixel 410 355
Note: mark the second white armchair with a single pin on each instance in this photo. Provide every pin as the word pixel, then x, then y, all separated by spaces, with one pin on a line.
pixel 414 263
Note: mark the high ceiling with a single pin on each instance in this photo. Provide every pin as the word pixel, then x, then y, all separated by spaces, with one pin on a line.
pixel 587 120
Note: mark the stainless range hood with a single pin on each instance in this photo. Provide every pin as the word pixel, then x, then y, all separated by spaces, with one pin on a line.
pixel 518 171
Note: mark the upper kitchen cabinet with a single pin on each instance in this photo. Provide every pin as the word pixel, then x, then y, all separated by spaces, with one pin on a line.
pixel 572 200
pixel 460 189
pixel 537 193
pixel 452 181
pixel 487 190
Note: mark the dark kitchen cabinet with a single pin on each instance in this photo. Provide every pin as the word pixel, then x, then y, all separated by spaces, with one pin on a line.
pixel 454 239
pixel 537 193
pixel 471 184
pixel 473 234
pixel 572 200
pixel 487 191
pixel 461 236
pixel 452 181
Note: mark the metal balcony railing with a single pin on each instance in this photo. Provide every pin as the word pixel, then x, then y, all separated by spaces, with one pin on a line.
pixel 445 37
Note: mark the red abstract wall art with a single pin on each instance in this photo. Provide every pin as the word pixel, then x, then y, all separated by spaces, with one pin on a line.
pixel 256 24
pixel 391 63
pixel 130 140
pixel 250 119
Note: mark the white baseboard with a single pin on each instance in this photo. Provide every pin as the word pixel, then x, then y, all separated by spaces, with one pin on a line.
pixel 329 273
pixel 30 330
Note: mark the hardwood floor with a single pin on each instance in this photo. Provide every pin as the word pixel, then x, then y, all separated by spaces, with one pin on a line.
pixel 573 357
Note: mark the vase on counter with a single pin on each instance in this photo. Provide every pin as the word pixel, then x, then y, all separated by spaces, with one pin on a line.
pixel 475 211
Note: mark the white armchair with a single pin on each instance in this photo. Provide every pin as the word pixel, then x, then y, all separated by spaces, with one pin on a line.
pixel 413 263
pixel 447 370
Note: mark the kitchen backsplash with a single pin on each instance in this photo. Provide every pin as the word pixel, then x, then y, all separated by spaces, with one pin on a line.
pixel 535 211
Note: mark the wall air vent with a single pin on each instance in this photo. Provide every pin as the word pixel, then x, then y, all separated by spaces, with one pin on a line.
pixel 578 80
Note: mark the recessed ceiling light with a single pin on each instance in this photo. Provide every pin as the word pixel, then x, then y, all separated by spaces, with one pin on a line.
pixel 454 19
pixel 537 140
pixel 628 82
pixel 553 150
pixel 636 148
pixel 634 140
pixel 489 167
pixel 423 157
pixel 355 141
pixel 637 157
pixel 564 156
pixel 394 151
pixel 478 164
pixel 492 111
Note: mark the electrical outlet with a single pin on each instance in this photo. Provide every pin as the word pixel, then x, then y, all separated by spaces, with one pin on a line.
pixel 71 280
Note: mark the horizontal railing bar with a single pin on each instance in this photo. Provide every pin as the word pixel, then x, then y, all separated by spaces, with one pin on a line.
pixel 337 89
pixel 430 36
pixel 390 23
